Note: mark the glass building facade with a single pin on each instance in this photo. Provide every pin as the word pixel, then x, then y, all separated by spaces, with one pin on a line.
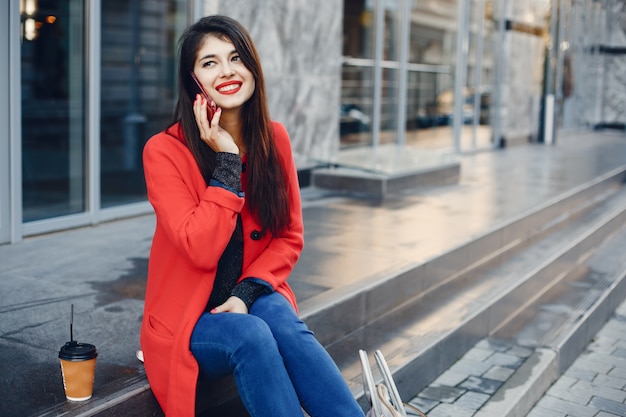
pixel 91 80
pixel 398 77
pixel 87 82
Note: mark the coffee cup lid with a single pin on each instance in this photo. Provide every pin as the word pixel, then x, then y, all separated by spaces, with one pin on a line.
pixel 74 351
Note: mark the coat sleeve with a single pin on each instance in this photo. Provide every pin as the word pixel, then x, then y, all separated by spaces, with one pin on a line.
pixel 279 257
pixel 198 220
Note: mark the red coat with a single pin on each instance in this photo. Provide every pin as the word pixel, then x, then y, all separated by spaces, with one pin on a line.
pixel 193 226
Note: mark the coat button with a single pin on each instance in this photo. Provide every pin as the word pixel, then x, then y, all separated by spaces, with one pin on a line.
pixel 244 166
pixel 256 235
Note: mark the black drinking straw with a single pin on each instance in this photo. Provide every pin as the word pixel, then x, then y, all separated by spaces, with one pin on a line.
pixel 72 324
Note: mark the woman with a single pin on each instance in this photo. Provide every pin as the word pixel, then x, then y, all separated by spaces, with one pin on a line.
pixel 228 234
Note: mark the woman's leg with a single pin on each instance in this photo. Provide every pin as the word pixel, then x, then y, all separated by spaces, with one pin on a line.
pixel 243 345
pixel 315 376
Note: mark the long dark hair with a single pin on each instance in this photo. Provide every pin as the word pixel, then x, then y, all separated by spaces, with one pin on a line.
pixel 266 193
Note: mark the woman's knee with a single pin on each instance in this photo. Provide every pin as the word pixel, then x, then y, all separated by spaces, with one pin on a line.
pixel 280 317
pixel 231 331
pixel 254 333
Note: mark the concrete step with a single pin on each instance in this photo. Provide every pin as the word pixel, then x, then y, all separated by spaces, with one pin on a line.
pixel 129 397
pixel 515 366
pixel 387 170
pixel 427 315
pixel 424 338
pixel 340 311
pixel 559 327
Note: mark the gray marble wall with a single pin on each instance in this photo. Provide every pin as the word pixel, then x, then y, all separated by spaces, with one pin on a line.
pixel 614 100
pixel 613 105
pixel 300 47
pixel 600 76
pixel 522 71
pixel 521 85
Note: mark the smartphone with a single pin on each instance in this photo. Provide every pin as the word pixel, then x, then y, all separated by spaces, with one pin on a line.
pixel 212 107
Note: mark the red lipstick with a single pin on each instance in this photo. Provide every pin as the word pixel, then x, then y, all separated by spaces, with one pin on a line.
pixel 229 87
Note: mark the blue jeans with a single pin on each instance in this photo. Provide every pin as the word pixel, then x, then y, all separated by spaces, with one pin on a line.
pixel 277 363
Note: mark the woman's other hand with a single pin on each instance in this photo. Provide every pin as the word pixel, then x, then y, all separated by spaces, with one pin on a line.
pixel 232 305
pixel 211 133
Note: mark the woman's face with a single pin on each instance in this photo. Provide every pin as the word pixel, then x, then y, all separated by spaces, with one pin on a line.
pixel 222 73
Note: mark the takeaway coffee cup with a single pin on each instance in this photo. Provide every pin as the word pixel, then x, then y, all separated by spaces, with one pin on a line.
pixel 78 366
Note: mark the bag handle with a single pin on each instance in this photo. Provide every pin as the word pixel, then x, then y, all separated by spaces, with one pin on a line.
pixel 386 395
pixel 414 409
pixel 368 384
pixel 389 382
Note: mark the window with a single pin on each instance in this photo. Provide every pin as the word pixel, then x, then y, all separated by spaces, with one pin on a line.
pixel 53 108
pixel 138 84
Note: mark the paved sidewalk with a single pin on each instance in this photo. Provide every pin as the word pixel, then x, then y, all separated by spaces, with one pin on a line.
pixel 499 378
pixel 593 386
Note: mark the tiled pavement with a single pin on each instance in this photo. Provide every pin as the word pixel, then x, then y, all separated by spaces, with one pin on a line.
pixel 470 382
pixel 593 386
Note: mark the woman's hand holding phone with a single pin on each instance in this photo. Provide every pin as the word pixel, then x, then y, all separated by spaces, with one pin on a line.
pixel 211 132
pixel 208 120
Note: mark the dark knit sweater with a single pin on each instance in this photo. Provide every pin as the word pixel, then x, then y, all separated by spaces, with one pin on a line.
pixel 227 174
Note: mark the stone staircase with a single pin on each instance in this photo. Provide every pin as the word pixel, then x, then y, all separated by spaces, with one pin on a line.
pixel 547 278
pixel 499 283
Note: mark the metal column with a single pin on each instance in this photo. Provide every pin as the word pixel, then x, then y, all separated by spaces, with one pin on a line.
pixel 462 43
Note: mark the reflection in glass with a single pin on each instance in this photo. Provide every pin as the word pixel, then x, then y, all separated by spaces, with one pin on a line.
pixel 480 77
pixel 357 86
pixel 432 53
pixel 430 95
pixel 138 86
pixel 357 98
pixel 53 108
pixel 430 82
